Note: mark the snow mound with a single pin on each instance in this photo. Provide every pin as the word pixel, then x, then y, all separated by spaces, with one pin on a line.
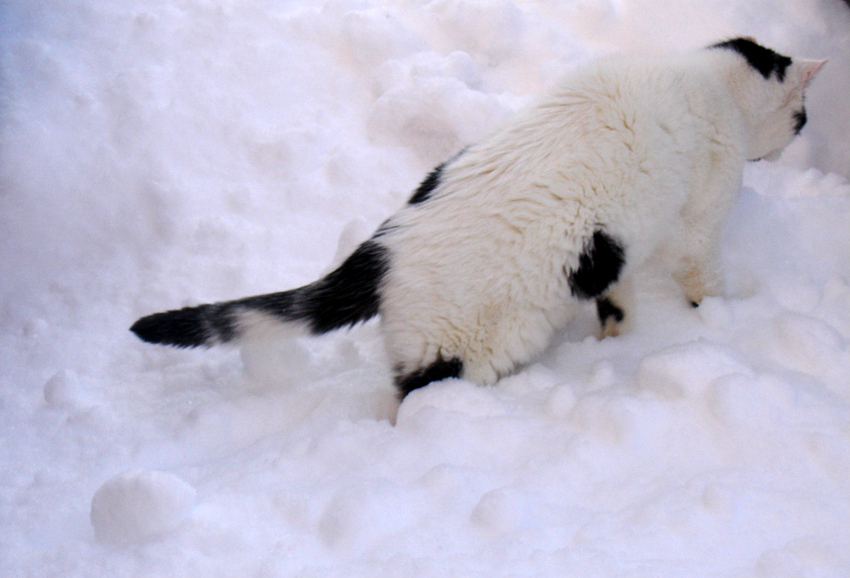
pixel 163 154
pixel 139 505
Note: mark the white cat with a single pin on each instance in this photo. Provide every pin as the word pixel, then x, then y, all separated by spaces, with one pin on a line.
pixel 496 248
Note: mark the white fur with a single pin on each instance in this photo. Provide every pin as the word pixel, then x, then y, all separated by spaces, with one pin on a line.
pixel 649 149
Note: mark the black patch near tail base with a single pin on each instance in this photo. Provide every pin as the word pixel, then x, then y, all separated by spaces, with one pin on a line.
pixel 350 294
pixel 599 265
pixel 440 369
pixel 347 295
pixel 765 60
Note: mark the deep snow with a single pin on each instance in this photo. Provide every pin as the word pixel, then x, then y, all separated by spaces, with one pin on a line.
pixel 157 154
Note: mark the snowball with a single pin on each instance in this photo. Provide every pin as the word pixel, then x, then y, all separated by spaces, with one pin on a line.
pixel 281 358
pixel 501 510
pixel 139 505
pixel 63 389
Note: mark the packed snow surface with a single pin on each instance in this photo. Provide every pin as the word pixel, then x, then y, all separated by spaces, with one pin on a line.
pixel 157 154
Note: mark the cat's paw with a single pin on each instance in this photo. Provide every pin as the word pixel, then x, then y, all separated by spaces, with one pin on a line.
pixel 611 317
pixel 610 328
pixel 700 282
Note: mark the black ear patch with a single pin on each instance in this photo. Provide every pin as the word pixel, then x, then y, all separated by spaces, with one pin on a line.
pixel 599 265
pixel 765 60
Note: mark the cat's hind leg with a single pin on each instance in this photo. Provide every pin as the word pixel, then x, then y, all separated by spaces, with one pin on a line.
pixel 610 316
pixel 436 371
pixel 597 277
pixel 614 309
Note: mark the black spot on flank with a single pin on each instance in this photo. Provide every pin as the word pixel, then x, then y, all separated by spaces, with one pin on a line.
pixel 607 309
pixel 440 369
pixel 426 188
pixel 765 60
pixel 800 119
pixel 599 265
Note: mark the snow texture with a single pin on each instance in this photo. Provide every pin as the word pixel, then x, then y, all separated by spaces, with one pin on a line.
pixel 136 506
pixel 161 154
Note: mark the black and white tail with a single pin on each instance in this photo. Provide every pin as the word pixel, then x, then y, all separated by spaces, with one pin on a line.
pixel 348 295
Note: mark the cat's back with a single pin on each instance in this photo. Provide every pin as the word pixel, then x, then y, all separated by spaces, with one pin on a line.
pixel 641 97
pixel 614 139
pixel 609 117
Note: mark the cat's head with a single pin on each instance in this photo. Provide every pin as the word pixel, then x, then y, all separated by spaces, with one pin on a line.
pixel 770 91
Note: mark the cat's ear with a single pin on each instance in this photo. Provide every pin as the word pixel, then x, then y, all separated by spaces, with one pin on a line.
pixel 809 69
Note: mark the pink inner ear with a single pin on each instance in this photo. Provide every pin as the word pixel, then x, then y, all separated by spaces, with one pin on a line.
pixel 811 69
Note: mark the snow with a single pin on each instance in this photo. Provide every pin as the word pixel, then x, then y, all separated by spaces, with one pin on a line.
pixel 158 154
pixel 140 505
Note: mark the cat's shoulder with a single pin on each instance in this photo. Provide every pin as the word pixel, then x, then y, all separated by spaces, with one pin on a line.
pixel 637 79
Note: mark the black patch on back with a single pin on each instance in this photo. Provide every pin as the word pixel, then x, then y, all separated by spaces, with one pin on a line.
pixel 607 309
pixel 431 182
pixel 599 265
pixel 765 60
pixel 800 118
pixel 440 369
pixel 348 295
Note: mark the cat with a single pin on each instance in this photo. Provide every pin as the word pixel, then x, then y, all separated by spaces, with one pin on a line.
pixel 498 246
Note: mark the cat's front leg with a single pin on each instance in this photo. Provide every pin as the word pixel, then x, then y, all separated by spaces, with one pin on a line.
pixel 614 309
pixel 693 248
pixel 699 277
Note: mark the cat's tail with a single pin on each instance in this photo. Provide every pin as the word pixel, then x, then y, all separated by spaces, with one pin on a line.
pixel 348 295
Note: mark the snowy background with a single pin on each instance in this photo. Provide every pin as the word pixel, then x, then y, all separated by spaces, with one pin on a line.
pixel 164 153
